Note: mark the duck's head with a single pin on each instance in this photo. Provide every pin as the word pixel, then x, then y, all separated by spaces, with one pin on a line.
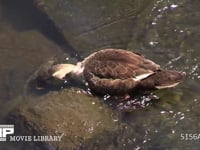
pixel 162 79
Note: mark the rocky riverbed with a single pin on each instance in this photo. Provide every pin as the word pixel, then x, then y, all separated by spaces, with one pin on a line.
pixel 35 31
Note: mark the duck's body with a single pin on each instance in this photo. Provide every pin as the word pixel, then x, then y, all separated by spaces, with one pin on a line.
pixel 117 71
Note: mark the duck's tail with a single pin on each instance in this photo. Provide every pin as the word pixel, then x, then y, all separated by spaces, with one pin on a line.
pixel 162 79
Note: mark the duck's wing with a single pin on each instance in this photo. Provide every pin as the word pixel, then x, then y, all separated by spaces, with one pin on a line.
pixel 120 64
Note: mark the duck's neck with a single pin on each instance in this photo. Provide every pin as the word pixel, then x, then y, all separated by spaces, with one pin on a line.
pixel 78 69
pixel 62 70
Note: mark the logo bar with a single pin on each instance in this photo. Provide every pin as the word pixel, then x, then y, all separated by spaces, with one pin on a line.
pixel 5 130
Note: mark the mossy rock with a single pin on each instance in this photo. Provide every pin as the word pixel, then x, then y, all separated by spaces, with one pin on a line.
pixel 79 117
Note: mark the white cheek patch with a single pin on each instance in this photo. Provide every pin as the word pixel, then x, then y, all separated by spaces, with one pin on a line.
pixel 61 70
pixel 59 74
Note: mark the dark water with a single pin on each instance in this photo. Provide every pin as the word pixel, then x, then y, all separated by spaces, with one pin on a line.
pixel 165 31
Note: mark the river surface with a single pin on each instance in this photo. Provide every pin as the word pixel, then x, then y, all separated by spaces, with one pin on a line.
pixel 168 32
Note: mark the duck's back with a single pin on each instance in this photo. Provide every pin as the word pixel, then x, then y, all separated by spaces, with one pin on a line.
pixel 116 70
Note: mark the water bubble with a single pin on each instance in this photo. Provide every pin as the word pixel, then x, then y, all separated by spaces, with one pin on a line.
pixel 173 6
pixel 107 96
pixel 179 113
pixel 153 43
pixel 163 9
pixel 144 141
pixel 91 129
pixel 115 120
pixel 163 112
pixel 137 148
pixel 78 91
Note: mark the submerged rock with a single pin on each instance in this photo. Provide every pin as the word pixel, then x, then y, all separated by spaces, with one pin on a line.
pixel 88 25
pixel 80 118
pixel 21 53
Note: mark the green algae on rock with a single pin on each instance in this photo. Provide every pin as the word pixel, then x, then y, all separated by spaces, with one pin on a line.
pixel 77 116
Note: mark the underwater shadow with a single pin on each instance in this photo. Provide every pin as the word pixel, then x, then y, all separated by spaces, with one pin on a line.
pixel 24 15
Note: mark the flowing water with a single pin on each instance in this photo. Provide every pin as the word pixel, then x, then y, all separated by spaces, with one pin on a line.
pixel 165 31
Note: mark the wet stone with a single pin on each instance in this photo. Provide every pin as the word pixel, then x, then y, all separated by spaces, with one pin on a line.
pixel 90 25
pixel 79 117
pixel 21 54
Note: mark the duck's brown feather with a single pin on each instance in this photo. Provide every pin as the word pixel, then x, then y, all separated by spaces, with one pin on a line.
pixel 119 64
pixel 115 70
pixel 110 86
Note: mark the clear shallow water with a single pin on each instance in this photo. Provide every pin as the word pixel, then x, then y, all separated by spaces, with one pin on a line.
pixel 165 31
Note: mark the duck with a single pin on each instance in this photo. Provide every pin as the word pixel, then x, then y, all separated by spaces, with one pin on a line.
pixel 117 72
